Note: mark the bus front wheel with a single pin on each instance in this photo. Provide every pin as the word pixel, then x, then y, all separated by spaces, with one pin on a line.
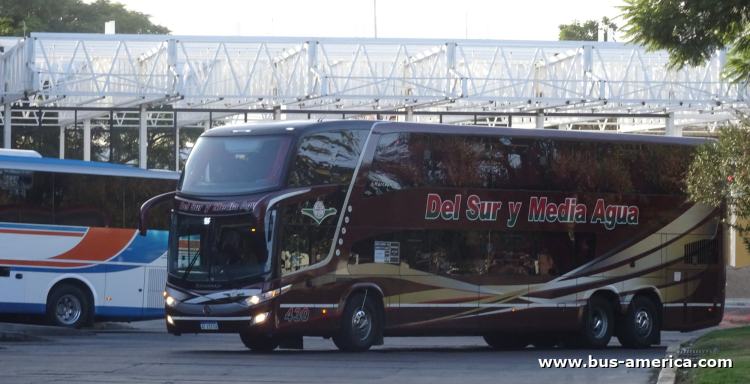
pixel 360 324
pixel 640 328
pixel 260 343
pixel 67 306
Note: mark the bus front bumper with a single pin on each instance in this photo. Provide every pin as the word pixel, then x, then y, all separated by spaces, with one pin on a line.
pixel 260 320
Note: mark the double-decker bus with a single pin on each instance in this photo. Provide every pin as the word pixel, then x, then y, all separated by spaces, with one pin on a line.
pixel 357 230
pixel 68 244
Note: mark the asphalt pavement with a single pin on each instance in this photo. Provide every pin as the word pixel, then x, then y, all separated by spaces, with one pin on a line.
pixel 145 353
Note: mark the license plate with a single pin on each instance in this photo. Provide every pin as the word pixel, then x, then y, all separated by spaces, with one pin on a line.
pixel 209 326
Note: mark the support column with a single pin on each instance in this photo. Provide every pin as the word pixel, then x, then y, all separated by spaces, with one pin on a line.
pixel 540 120
pixel 87 140
pixel 176 142
pixel 6 128
pixel 143 139
pixel 62 142
pixel 409 113
pixel 277 113
pixel 670 129
pixel 206 125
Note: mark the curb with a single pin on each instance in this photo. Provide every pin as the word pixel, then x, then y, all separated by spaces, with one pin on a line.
pixel 669 375
pixel 39 330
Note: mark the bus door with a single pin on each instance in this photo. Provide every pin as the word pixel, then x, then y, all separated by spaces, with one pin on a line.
pixel 695 282
pixel 301 247
pixel 12 290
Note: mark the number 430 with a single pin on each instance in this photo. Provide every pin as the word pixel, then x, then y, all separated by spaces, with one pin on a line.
pixel 297 314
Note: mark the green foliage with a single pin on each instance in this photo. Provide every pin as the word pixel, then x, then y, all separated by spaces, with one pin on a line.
pixel 587 31
pixel 720 171
pixel 71 16
pixel 692 31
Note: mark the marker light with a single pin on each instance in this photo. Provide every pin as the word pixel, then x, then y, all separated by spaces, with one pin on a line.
pixel 170 301
pixel 252 230
pixel 165 293
pixel 260 318
pixel 169 320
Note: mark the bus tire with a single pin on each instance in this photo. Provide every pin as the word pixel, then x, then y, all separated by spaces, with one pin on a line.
pixel 260 343
pixel 360 324
pixel 598 323
pixel 506 342
pixel 640 328
pixel 68 306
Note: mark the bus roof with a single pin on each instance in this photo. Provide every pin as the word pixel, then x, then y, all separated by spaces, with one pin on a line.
pixel 82 167
pixel 301 127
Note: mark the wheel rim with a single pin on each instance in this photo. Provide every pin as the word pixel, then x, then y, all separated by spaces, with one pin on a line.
pixel 598 323
pixel 68 309
pixel 643 322
pixel 361 324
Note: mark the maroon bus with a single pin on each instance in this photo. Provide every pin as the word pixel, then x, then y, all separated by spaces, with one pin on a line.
pixel 357 230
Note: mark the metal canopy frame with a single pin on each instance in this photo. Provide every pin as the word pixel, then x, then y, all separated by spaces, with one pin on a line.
pixel 523 84
pixel 596 79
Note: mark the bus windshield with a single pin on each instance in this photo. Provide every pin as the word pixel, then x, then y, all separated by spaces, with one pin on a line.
pixel 216 248
pixel 235 165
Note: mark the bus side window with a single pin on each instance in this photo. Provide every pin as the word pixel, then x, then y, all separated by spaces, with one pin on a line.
pixel 401 161
pixel 26 197
pixel 460 161
pixel 88 200
pixel 327 158
pixel 303 245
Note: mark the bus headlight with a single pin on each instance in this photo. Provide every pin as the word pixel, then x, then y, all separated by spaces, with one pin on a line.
pixel 260 318
pixel 265 296
pixel 170 301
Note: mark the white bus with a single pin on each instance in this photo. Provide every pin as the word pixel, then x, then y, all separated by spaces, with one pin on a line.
pixel 68 243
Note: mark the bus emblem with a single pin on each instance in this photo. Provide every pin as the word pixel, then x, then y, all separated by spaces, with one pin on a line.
pixel 318 212
pixel 206 309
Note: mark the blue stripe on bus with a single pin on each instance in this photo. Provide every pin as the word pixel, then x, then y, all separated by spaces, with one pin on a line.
pixel 122 312
pixel 129 312
pixel 23 308
pixel 96 268
pixel 35 227
pixel 144 249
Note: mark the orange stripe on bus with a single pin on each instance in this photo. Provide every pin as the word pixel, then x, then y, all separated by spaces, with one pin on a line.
pixel 31 263
pixel 99 244
pixel 43 233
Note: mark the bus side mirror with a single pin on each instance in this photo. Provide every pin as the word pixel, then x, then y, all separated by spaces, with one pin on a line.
pixel 143 212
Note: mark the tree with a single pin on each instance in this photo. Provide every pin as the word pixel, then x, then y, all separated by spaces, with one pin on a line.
pixel 720 172
pixel 692 31
pixel 71 16
pixel 588 31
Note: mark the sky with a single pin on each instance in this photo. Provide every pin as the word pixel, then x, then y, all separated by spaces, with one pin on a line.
pixel 456 19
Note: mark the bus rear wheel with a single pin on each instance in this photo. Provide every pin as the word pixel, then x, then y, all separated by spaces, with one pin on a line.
pixel 67 306
pixel 360 324
pixel 640 328
pixel 260 343
pixel 598 323
pixel 506 342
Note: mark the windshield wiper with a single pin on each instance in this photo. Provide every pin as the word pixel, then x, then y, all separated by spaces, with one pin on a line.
pixel 190 266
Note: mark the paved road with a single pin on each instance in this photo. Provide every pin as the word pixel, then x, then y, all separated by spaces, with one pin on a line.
pixel 155 357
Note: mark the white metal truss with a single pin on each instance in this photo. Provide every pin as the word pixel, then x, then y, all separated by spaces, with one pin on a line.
pixel 587 80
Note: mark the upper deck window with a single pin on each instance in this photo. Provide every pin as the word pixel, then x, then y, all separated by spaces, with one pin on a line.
pixel 327 158
pixel 235 165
